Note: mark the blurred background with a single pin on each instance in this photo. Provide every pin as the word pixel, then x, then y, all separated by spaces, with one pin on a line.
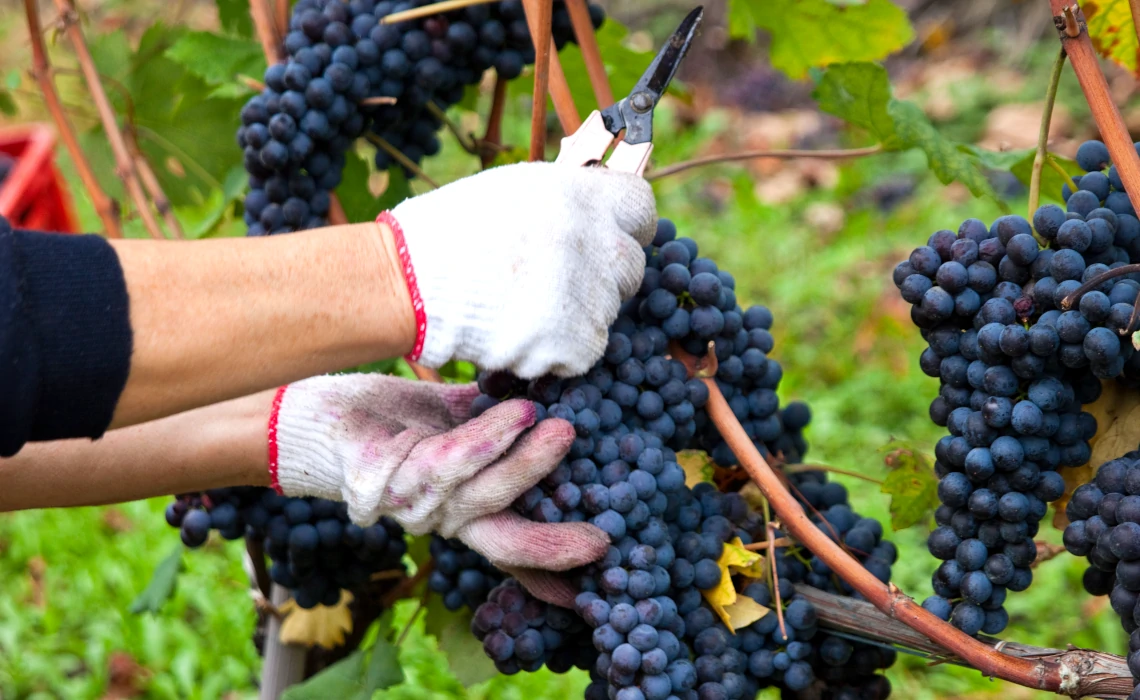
pixel 814 240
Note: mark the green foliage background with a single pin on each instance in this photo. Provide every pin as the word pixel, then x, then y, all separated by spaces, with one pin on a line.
pixel 846 344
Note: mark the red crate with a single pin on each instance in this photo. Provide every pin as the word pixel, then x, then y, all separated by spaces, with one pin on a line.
pixel 35 195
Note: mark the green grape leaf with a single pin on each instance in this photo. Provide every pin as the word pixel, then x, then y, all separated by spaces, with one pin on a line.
pixel 185 133
pixel 235 18
pixel 948 162
pixel 1051 180
pixel 419 548
pixel 911 484
pixel 458 372
pixel 217 59
pixel 508 156
pixel 162 584
pixel 359 675
pixel 859 93
pixel 1112 32
pixel 808 33
pixel 7 104
pixel 359 204
pixel 452 629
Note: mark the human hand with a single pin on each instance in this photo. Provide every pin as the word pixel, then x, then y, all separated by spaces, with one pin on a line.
pixel 404 449
pixel 523 267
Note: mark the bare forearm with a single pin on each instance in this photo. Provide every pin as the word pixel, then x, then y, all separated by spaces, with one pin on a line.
pixel 212 447
pixel 214 320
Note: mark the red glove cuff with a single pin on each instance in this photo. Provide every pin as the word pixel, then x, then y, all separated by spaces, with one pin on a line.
pixel 388 220
pixel 273 414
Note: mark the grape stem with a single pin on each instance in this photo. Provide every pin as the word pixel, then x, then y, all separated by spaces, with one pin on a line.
pixel 1043 135
pixel 833 154
pixel 769 532
pixel 1074 296
pixel 433 9
pixel 124 164
pixel 400 158
pixel 467 143
pixel 769 544
pixel 1042 674
pixel 796 468
pixel 260 575
pixel 1099 674
pixel 1052 162
pixel 1069 19
pixel 105 207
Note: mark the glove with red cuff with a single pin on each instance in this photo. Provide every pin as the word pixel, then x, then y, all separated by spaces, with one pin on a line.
pixel 405 449
pixel 523 267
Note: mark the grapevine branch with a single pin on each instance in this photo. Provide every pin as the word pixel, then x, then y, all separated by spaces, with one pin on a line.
pixel 560 93
pixel 1043 136
pixel 1102 675
pixel 591 54
pixel 154 189
pixel 834 154
pixel 1042 674
pixel 262 16
pixel 282 17
pixel 124 163
pixel 1073 33
pixel 105 207
pixel 540 29
pixel 494 133
pixel 1134 6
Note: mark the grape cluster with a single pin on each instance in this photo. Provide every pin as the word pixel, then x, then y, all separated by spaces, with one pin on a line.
pixel 521 633
pixel 652 634
pixel 460 575
pixel 295 135
pixel 1104 527
pixel 315 551
pixel 1020 331
pixel 315 105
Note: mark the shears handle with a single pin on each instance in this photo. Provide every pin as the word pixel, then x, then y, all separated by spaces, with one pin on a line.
pixel 588 146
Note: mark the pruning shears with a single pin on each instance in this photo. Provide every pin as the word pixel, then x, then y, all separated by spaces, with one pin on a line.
pixel 633 113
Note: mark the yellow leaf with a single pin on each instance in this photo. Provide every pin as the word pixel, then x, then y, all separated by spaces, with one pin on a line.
pixel 322 626
pixel 744 612
pixel 696 466
pixel 1117 414
pixel 735 555
pixel 722 599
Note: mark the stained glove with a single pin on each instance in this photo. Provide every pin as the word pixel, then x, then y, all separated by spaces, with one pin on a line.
pixel 523 267
pixel 404 449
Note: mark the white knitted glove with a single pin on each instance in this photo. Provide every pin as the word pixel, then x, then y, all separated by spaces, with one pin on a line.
pixel 389 446
pixel 523 267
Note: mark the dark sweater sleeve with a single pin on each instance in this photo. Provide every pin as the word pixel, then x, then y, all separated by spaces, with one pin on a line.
pixel 65 336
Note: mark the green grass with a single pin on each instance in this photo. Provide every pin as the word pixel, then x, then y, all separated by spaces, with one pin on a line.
pixel 847 348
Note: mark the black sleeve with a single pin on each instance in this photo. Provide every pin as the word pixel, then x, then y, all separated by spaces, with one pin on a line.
pixel 65 336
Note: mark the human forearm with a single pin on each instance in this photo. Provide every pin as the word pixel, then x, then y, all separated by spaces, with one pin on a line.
pixel 213 320
pixel 212 447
